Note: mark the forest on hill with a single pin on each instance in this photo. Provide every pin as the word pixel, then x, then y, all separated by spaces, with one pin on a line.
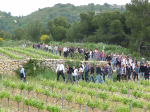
pixel 130 28
pixel 9 23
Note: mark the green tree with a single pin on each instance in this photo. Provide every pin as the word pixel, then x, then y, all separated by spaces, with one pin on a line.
pixel 33 30
pixel 58 28
pixel 138 20
pixel 18 33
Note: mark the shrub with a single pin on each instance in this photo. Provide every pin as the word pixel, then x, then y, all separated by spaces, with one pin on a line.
pixel 32 68
pixel 1 40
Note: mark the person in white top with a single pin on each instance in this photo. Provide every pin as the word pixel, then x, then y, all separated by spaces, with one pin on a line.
pixel 60 71
pixel 65 51
pixel 56 49
pixel 80 73
pixel 49 48
pixel 130 60
pixel 46 47
pixel 74 74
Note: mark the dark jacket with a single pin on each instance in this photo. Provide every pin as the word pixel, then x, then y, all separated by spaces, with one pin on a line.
pixel 98 70
pixel 70 70
pixel 146 70
pixel 108 58
pixel 142 69
pixel 92 70
pixel 129 69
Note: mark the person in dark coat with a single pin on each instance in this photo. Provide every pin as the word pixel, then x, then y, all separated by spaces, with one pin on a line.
pixel 147 71
pixel 86 54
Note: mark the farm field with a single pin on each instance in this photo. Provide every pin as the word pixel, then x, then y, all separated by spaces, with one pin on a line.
pixel 108 97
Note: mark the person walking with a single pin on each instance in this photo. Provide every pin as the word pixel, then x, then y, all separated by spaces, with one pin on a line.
pixel 86 54
pixel 105 70
pixel 118 72
pixel 123 72
pixel 91 73
pixel 65 51
pixel 75 73
pixel 69 72
pixel 52 49
pixel 60 50
pixel 129 71
pixel 136 72
pixel 60 70
pixel 114 62
pixel 147 72
pixel 86 71
pixel 56 50
pixel 99 77
pixel 91 54
pixel 142 71
pixel 80 73
pixel 110 71
pixel 49 48
pixel 102 55
pixel 22 74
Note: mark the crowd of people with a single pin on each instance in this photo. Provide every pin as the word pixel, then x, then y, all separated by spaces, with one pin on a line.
pixel 125 71
pixel 124 66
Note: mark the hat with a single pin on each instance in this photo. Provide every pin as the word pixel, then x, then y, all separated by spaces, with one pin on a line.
pixel 21 66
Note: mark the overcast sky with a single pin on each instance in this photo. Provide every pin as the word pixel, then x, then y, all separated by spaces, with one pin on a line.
pixel 25 7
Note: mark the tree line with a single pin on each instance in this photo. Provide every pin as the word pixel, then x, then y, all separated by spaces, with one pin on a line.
pixel 130 29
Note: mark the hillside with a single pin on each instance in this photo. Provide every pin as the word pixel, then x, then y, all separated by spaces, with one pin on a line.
pixel 10 23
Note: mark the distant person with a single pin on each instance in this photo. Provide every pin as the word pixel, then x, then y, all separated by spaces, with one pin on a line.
pixel 69 72
pixel 102 55
pixel 49 48
pixel 118 72
pixel 142 71
pixel 22 74
pixel 65 51
pixel 110 72
pixel 91 54
pixel 56 49
pixel 60 50
pixel 60 70
pixel 86 54
pixel 86 71
pixel 147 72
pixel 136 72
pixel 129 71
pixel 75 73
pixel 142 61
pixel 123 72
pixel 91 73
pixel 80 73
pixel 105 70
pixel 99 77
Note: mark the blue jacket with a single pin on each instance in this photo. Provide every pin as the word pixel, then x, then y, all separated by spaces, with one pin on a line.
pixel 114 60
pixel 137 70
pixel 119 71
pixel 86 68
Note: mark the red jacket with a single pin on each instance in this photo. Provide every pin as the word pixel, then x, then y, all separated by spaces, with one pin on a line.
pixel 102 55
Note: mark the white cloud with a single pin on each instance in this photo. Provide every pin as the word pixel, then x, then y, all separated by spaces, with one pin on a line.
pixel 25 7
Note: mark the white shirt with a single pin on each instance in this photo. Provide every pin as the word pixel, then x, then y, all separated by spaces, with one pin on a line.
pixel 46 46
pixel 123 70
pixel 49 47
pixel 90 53
pixel 133 66
pixel 65 49
pixel 83 67
pixel 56 48
pixel 75 72
pixel 80 69
pixel 60 67
pixel 130 61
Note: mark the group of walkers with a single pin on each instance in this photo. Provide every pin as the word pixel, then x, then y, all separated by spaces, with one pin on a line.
pixel 126 71
pixel 124 66
pixel 77 74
